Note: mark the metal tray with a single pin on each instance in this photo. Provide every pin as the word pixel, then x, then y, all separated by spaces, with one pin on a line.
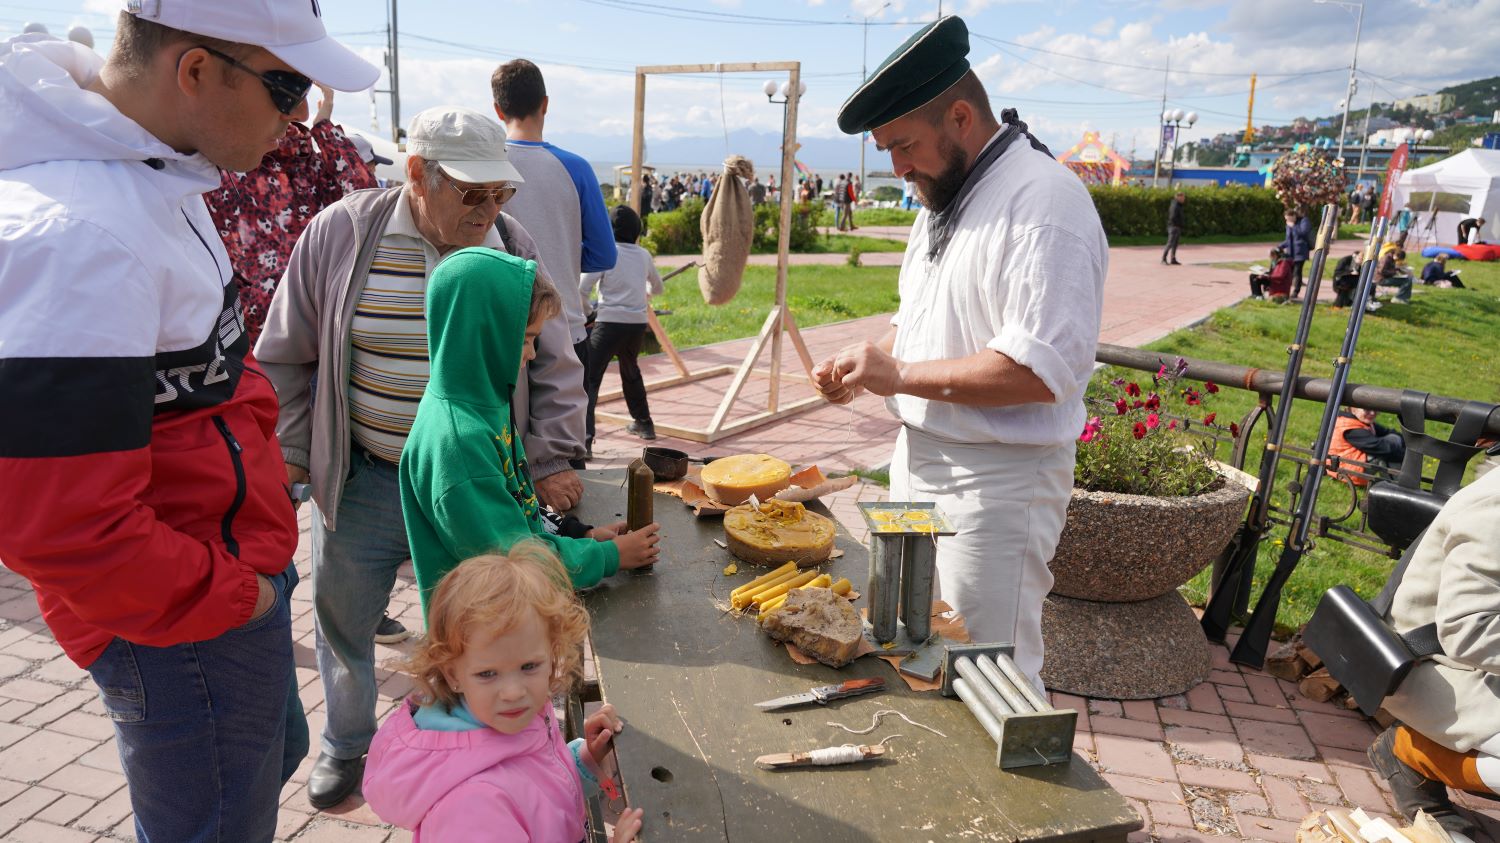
pixel 885 518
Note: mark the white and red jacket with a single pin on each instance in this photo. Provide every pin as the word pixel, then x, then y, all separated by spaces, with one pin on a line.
pixel 141 485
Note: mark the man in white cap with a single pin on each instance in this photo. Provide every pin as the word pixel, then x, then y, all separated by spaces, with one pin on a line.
pixel 143 489
pixel 351 311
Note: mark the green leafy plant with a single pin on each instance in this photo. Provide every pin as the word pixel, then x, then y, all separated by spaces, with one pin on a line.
pixel 854 253
pixel 1137 442
pixel 1142 211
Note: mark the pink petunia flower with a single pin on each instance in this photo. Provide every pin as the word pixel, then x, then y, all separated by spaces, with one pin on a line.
pixel 1153 421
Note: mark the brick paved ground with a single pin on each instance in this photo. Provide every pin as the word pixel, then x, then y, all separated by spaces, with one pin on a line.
pixel 1240 756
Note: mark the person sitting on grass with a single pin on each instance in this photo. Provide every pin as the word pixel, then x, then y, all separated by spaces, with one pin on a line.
pixel 624 296
pixel 1395 273
pixel 465 486
pixel 1276 284
pixel 1374 449
pixel 1436 272
pixel 1345 280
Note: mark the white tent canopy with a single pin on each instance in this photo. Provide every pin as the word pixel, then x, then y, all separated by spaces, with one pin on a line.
pixel 1474 174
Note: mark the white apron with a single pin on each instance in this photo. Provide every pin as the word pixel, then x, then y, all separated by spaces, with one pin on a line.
pixel 1008 503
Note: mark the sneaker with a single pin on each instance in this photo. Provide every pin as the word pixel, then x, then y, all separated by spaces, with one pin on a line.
pixel 1414 791
pixel 643 429
pixel 1173 262
pixel 1372 306
pixel 390 631
pixel 1258 298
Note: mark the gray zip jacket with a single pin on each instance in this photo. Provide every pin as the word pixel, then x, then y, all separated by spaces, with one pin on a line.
pixel 307 332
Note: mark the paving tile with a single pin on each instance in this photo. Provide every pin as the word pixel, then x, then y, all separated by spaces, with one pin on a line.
pixel 1203 743
pixel 1134 757
pixel 1176 702
pixel 34 647
pixel 1140 710
pixel 10 789
pixel 1359 788
pixel 107 813
pixel 1340 732
pixel 1334 756
pixel 104 757
pixel 1303 770
pixel 43 753
pixel 1169 813
pixel 86 781
pixel 332 831
pixel 288 823
pixel 13 710
pixel 59 706
pixel 1266 828
pixel 1196 720
pixel 36 831
pixel 1264 689
pixel 61 670
pixel 66 809
pixel 1286 800
pixel 1203 697
pixel 1226 677
pixel 31 690
pixel 81 725
pixel 11 732
pixel 11 665
pixel 1249 803
pixel 1252 711
pixel 24 806
pixel 1216 778
pixel 1235 693
pixel 1169 834
pixel 1153 790
pixel 1121 726
pixel 1276 739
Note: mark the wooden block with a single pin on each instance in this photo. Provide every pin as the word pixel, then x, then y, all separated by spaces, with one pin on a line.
pixel 1319 686
pixel 1285 663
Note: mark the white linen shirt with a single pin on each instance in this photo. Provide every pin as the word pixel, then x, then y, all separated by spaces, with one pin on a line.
pixel 1022 275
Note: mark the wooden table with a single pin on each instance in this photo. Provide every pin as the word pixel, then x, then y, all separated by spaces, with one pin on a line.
pixel 684 675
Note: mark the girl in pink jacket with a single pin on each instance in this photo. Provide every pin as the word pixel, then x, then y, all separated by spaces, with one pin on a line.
pixel 476 753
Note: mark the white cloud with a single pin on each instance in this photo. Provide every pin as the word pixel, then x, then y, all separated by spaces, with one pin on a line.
pixel 1104 27
pixel 109 8
pixel 568 26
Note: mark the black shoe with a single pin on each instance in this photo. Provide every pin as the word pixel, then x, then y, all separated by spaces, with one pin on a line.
pixel 1414 791
pixel 333 780
pixel 390 631
pixel 644 429
pixel 1174 262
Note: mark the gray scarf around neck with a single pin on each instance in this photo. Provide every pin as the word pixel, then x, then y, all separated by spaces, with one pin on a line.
pixel 941 224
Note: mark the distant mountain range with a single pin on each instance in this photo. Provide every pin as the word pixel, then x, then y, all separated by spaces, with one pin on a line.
pixel 762 148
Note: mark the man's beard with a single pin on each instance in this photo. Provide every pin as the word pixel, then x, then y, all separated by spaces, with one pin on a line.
pixel 936 192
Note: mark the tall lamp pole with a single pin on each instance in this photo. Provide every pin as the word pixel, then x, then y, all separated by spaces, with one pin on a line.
pixel 864 76
pixel 1160 140
pixel 1177 119
pixel 1359 23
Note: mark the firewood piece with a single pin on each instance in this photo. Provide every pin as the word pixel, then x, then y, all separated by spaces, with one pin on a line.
pixel 1285 663
pixel 1319 686
pixel 1308 657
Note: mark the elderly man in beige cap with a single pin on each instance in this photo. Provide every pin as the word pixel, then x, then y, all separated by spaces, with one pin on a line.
pixel 351 312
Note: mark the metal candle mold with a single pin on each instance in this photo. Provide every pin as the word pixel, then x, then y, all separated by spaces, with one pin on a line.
pixel 903 562
pixel 1027 731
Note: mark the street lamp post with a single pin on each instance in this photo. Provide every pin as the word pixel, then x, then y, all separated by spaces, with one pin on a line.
pixel 864 76
pixel 1359 23
pixel 1176 119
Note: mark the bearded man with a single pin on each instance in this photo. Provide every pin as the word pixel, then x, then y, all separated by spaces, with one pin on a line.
pixel 987 357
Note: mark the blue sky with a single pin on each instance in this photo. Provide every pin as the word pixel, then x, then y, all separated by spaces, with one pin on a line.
pixel 1067 65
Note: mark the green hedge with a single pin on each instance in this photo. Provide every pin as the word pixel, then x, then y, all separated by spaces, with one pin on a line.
pixel 1142 211
pixel 678 233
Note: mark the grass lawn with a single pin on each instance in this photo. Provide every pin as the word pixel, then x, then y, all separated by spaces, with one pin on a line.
pixel 884 216
pixel 1444 343
pixel 843 243
pixel 817 295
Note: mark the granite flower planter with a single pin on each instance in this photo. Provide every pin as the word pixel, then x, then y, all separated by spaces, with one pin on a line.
pixel 1115 626
pixel 1120 548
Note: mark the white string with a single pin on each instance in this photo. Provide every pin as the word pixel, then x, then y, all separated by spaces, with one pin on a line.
pixel 876 722
pixel 846 754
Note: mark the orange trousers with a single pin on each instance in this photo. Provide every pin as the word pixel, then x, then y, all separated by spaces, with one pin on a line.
pixel 1460 770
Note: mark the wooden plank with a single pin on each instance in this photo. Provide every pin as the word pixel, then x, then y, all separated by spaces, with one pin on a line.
pixel 784 227
pixel 743 374
pixel 684 674
pixel 665 341
pixel 726 67
pixel 669 382
pixel 790 322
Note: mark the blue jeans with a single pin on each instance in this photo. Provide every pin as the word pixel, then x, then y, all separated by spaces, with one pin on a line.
pixel 354 569
pixel 207 730
pixel 1402 283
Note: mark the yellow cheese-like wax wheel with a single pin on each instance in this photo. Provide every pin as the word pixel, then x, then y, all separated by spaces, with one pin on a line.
pixel 777 532
pixel 732 480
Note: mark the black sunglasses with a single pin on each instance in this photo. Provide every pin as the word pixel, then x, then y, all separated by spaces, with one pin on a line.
pixel 287 89
pixel 475 196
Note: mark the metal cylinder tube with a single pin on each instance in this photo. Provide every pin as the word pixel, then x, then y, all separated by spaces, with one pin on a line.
pixel 1027 689
pixel 986 719
pixel 918 566
pixel 980 686
pixel 1013 696
pixel 885 585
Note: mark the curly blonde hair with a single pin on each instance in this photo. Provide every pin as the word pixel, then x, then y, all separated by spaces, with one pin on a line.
pixel 488 595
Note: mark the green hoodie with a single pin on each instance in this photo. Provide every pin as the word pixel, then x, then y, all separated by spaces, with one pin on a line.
pixel 465 489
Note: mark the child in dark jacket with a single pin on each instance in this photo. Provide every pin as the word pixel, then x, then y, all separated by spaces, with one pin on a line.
pixel 624 298
pixel 465 487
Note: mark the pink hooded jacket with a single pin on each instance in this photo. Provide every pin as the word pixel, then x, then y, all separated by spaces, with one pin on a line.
pixel 479 785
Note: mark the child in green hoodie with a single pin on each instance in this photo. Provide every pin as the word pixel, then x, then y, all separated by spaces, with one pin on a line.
pixel 465 488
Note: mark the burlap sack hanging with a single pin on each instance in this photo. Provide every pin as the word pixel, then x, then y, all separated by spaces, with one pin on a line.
pixel 728 226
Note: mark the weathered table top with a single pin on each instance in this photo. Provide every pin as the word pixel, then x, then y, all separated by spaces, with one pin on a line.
pixel 684 675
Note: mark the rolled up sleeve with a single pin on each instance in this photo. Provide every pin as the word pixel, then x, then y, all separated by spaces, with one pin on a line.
pixel 1046 311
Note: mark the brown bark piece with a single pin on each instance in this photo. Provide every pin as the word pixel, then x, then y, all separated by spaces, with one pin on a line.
pixel 1319 686
pixel 821 624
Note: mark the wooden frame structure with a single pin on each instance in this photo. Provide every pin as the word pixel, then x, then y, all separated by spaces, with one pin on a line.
pixel 780 318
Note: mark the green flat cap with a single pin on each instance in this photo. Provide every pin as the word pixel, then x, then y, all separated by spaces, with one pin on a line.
pixel 929 63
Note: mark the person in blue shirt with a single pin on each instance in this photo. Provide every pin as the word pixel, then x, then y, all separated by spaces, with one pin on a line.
pixel 1297 246
pixel 1437 270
